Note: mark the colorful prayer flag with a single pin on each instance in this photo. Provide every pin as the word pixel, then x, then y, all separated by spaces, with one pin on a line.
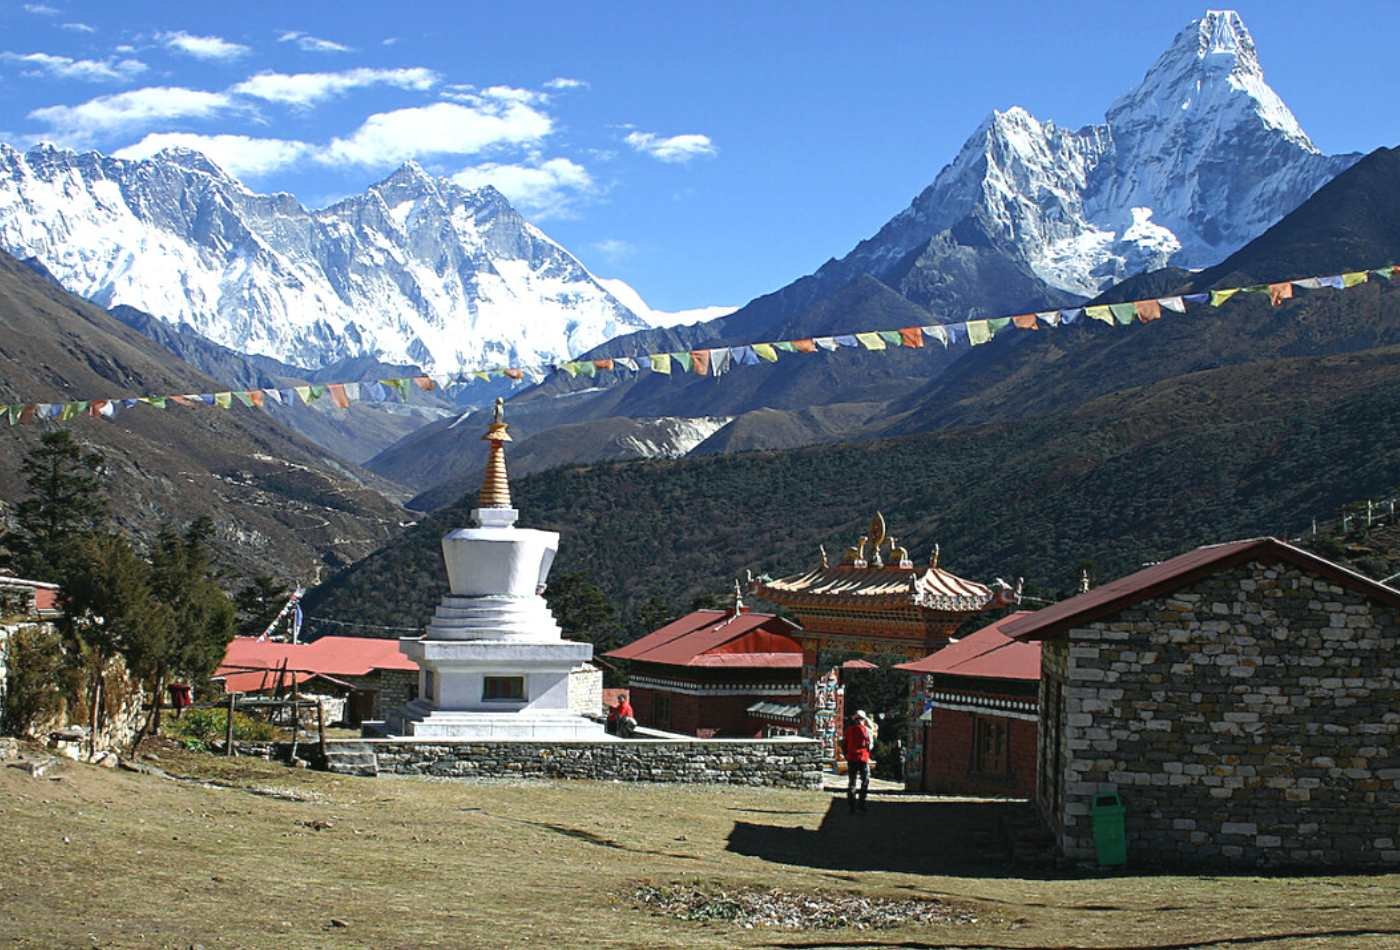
pixel 684 359
pixel 1280 292
pixel 892 337
pixel 978 332
pixel 720 361
pixel 997 324
pixel 700 362
pixel 1354 277
pixel 426 383
pixel 1050 318
pixel 871 341
pixel 826 343
pixel 245 397
pixel 744 355
pixel 223 400
pixel 338 396
pixel 912 337
pixel 938 333
pixel 661 363
pixel 1071 315
pixel 514 373
pixel 847 340
pixel 1218 297
pixel 809 345
pixel 1336 282
pixel 1025 321
pixel 1100 313
pixel 765 351
pixel 1174 304
pixel 1147 310
pixel 1123 313
pixel 785 346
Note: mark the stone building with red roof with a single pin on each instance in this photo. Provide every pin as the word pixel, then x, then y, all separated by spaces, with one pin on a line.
pixel 1242 699
pixel 361 677
pixel 979 727
pixel 717 673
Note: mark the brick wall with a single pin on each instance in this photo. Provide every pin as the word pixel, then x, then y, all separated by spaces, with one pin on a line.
pixel 950 764
pixel 1252 718
pixel 785 762
pixel 703 716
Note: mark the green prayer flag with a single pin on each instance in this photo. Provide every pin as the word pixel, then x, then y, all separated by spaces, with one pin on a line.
pixel 1218 297
pixel 685 360
pixel 71 409
pixel 997 324
pixel 317 391
pixel 786 346
pixel 1101 312
pixel 892 337
pixel 1124 313
pixel 978 332
pixel 399 386
pixel 871 341
pixel 245 398
pixel 157 401
pixel 587 368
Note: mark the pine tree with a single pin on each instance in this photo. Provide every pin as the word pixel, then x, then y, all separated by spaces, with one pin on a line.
pixel 65 504
pixel 260 600
pixel 583 611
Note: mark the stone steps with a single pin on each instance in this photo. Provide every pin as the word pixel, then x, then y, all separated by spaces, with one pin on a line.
pixel 352 758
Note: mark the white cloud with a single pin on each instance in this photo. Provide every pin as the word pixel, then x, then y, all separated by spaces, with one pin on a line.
pixel 304 89
pixel 547 189
pixel 313 44
pixel 675 148
pixel 565 82
pixel 126 109
pixel 40 9
pixel 443 128
pixel 239 155
pixel 79 28
pixel 389 41
pixel 87 70
pixel 614 249
pixel 202 47
pixel 466 92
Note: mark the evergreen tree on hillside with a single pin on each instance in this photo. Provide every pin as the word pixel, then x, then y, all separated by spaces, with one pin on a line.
pixel 583 611
pixel 65 504
pixel 259 602
pixel 182 580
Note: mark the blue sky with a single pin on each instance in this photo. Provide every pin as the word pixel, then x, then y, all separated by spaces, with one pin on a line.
pixel 705 153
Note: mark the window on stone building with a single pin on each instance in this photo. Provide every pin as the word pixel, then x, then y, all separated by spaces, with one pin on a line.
pixel 503 689
pixel 661 710
pixel 991 745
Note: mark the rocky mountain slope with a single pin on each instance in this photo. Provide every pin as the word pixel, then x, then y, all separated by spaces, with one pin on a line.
pixel 414 270
pixel 279 504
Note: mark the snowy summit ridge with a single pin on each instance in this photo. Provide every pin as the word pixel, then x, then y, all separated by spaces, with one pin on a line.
pixel 416 269
pixel 1199 159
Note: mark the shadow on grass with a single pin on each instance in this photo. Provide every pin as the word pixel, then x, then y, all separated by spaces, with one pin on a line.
pixel 956 839
pixel 1244 941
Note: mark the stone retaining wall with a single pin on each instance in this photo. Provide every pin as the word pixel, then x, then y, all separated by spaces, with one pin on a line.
pixel 781 762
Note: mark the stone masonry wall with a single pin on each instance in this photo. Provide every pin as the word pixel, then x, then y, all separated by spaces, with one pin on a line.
pixel 785 762
pixel 1251 719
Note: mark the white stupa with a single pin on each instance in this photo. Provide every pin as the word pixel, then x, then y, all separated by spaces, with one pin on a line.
pixel 493 663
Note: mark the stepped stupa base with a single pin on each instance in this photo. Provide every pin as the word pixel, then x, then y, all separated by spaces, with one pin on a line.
pixel 419 720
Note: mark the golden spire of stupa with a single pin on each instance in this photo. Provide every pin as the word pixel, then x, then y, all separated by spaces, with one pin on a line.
pixel 495 484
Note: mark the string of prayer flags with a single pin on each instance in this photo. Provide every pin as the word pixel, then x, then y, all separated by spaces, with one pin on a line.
pixel 715 361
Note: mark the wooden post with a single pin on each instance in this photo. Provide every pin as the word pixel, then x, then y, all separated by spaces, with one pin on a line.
pixel 228 728
pixel 321 725
pixel 296 718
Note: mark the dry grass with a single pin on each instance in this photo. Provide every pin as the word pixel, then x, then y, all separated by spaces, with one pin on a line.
pixel 104 858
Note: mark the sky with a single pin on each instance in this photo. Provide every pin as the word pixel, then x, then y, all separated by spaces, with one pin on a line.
pixel 704 153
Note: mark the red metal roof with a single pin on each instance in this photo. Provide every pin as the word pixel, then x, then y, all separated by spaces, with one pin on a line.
pixel 329 656
pixel 260 681
pixel 1180 571
pixel 988 653
pixel 700 638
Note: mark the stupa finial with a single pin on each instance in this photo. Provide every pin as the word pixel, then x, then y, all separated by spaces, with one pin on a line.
pixel 495 484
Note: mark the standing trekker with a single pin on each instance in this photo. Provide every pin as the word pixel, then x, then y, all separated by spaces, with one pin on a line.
pixel 857 742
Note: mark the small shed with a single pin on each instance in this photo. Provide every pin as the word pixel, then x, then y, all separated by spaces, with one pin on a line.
pixel 1243 699
pixel 981 714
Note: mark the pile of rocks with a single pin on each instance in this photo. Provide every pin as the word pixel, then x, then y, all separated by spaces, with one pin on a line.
pixel 794 910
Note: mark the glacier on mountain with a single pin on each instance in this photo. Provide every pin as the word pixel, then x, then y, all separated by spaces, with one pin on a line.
pixel 1200 158
pixel 415 270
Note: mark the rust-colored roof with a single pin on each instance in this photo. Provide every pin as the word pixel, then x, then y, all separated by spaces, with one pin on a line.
pixel 866 587
pixel 332 656
pixel 1181 571
pixel 261 681
pixel 987 653
pixel 705 637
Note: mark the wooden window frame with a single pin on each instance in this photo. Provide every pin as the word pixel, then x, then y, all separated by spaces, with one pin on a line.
pixel 492 693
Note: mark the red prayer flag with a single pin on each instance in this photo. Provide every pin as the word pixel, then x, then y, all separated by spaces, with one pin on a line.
pixel 514 373
pixel 603 364
pixel 912 336
pixel 337 392
pixel 1024 322
pixel 184 400
pixel 1278 293
pixel 1148 310
pixel 256 395
pixel 424 383
pixel 26 415
pixel 95 408
pixel 805 346
pixel 700 362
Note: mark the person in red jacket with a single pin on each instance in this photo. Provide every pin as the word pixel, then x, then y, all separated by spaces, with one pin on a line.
pixel 857 741
pixel 622 718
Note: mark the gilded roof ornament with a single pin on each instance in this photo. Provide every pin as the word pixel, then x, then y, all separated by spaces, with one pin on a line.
pixel 495 483
pixel 825 563
pixel 933 558
pixel 877 530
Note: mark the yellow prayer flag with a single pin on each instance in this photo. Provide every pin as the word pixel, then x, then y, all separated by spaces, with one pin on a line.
pixel 660 363
pixel 223 400
pixel 1354 278
pixel 871 341
pixel 978 332
pixel 1218 297
pixel 1101 313
pixel 765 351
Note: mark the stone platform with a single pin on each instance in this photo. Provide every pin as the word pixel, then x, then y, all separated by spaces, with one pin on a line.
pixel 784 762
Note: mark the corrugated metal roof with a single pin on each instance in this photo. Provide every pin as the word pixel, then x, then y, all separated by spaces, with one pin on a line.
pixel 987 653
pixel 681 642
pixel 768 710
pixel 334 656
pixel 761 660
pixel 1184 569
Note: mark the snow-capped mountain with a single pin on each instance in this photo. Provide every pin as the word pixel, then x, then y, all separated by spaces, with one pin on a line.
pixel 416 269
pixel 1197 160
pixel 629 296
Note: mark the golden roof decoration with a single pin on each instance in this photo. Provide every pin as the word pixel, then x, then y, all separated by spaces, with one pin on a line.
pixel 495 483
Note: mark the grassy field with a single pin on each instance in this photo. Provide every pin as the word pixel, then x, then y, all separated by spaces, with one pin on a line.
pixel 111 858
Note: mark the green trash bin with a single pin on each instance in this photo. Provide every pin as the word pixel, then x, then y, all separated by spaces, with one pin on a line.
pixel 1110 838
